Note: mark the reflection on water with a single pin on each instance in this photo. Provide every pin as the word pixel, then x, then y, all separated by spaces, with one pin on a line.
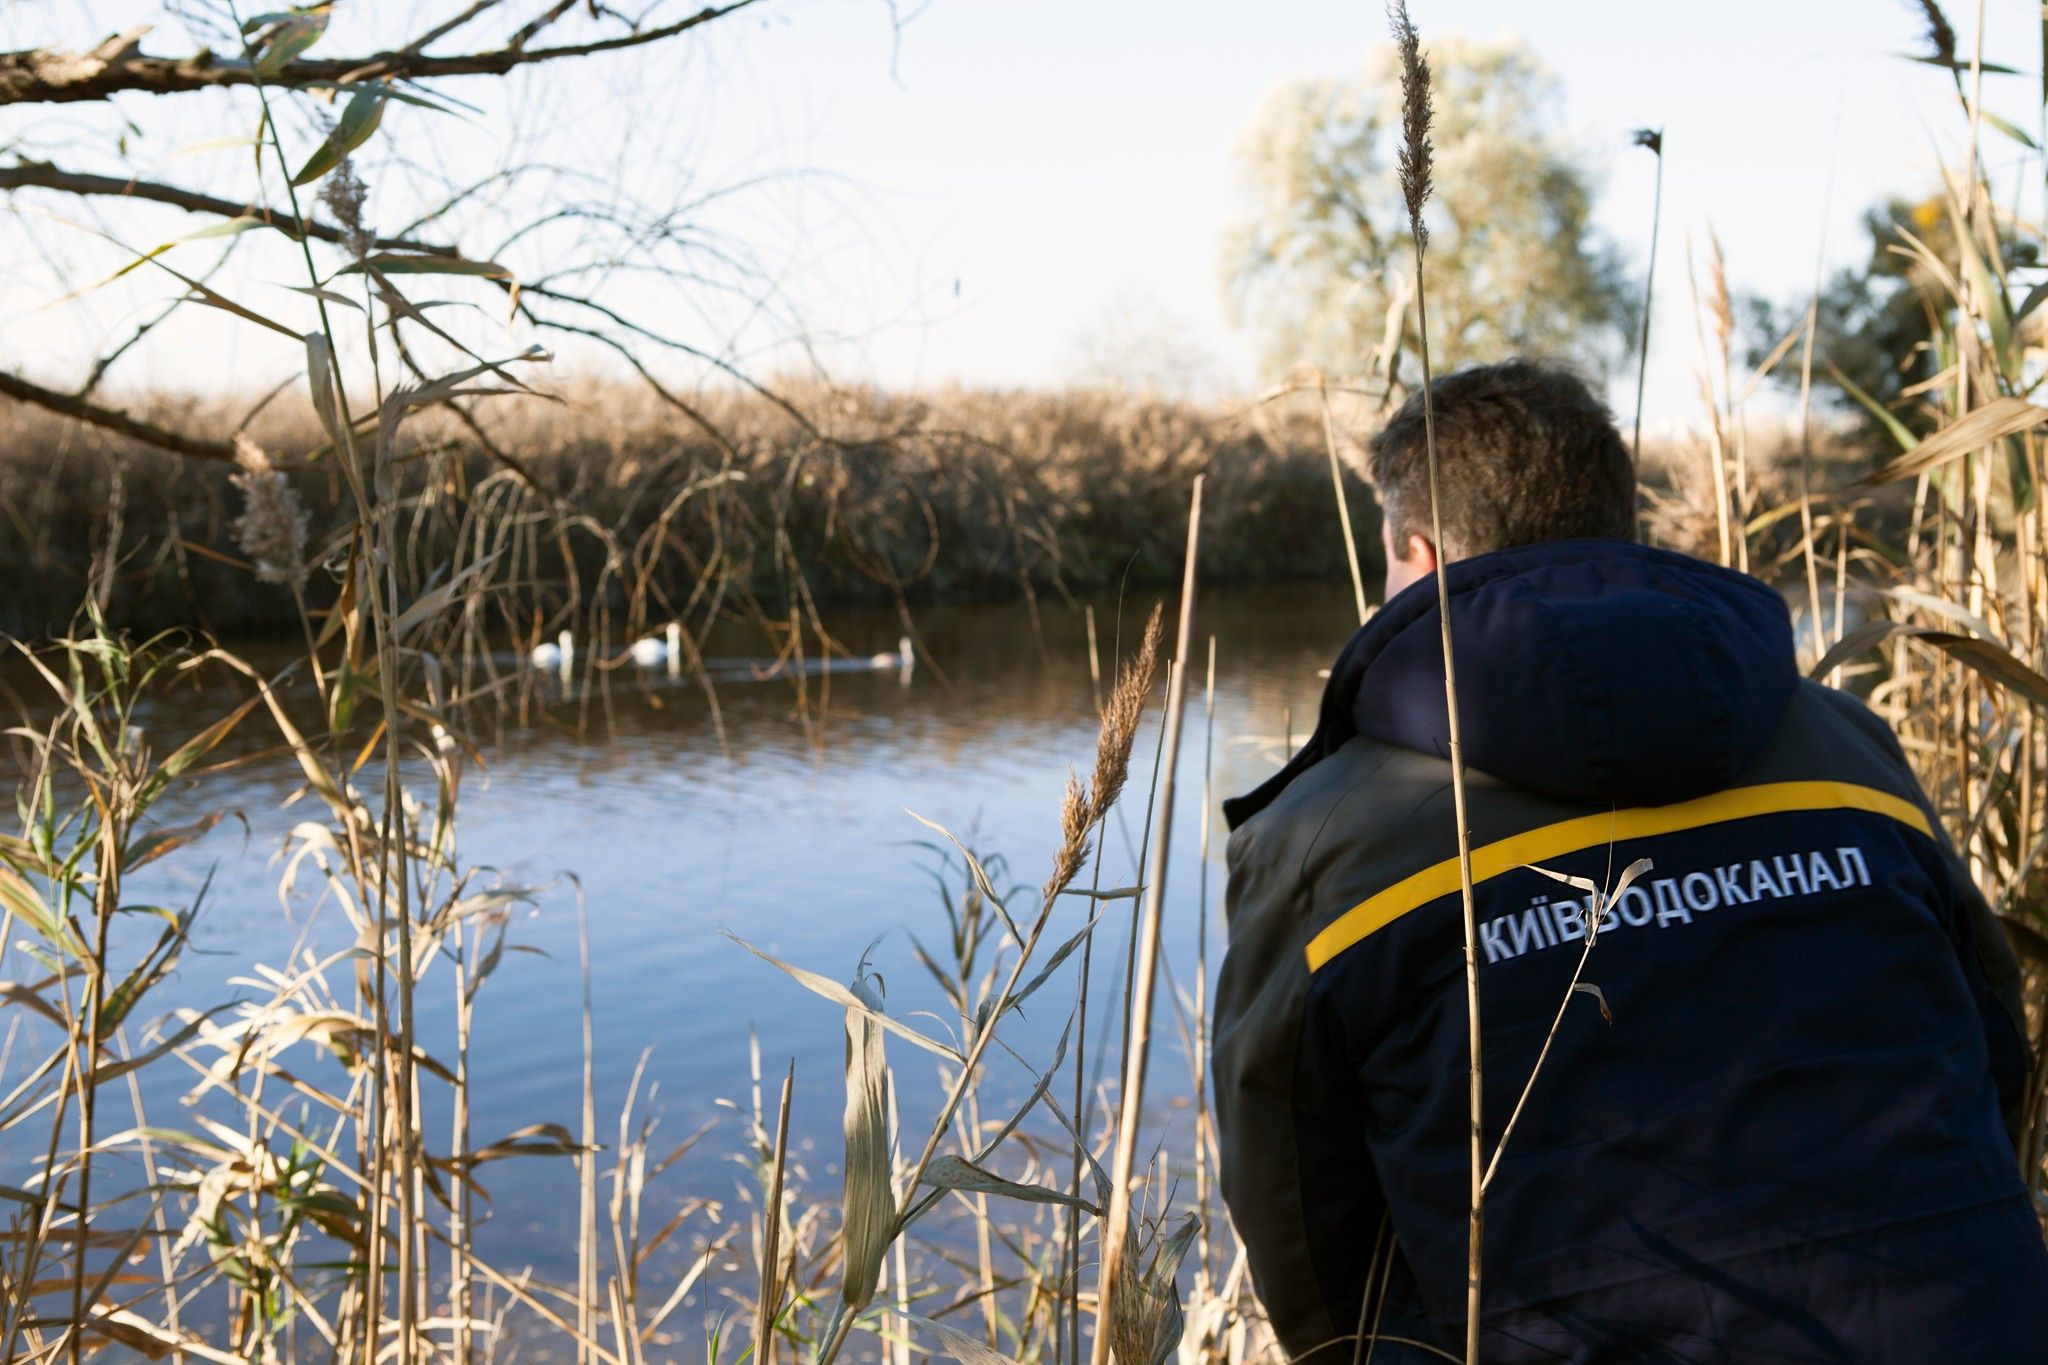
pixel 793 834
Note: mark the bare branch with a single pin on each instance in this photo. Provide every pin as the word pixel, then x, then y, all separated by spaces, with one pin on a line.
pixel 112 419
pixel 45 176
pixel 532 30
pixel 448 26
pixel 49 76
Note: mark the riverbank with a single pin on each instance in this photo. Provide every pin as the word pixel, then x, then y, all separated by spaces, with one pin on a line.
pixel 818 497
pixel 810 499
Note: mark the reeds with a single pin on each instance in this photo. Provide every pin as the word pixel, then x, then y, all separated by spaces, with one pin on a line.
pixel 1415 187
pixel 604 498
pixel 1122 1299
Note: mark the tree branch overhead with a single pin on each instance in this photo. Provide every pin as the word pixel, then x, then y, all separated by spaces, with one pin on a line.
pixel 118 65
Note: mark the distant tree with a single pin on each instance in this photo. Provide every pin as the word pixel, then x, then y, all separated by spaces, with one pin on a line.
pixel 1877 318
pixel 1319 270
pixel 1139 347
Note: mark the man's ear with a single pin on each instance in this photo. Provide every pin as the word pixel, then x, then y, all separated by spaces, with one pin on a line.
pixel 1419 554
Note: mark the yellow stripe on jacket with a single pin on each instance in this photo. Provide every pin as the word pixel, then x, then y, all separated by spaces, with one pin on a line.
pixel 1375 913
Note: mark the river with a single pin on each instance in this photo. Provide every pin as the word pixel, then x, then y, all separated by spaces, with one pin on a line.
pixel 794 833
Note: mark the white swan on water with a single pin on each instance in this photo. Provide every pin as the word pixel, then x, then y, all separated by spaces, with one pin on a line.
pixel 900 661
pixel 560 653
pixel 653 653
pixel 903 660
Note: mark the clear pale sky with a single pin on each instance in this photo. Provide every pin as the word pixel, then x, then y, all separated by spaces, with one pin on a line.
pixel 982 189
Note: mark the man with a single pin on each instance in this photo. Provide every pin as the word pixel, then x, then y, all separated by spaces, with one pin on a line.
pixel 1773 1126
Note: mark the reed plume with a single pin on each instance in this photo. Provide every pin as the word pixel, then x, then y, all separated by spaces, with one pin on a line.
pixel 271 529
pixel 1077 816
pixel 1120 717
pixel 1416 157
pixel 1417 114
pixel 1940 35
pixel 1087 803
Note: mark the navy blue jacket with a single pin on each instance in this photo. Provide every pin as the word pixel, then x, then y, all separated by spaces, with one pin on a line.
pixel 1777 1130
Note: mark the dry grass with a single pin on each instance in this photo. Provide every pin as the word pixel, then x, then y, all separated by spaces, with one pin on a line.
pixel 858 497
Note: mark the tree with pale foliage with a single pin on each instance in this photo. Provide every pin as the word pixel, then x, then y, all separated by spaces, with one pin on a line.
pixel 1319 269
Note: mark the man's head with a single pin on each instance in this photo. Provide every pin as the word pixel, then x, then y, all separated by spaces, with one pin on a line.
pixel 1525 453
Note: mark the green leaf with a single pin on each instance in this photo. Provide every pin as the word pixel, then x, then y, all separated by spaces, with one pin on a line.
pixel 161 842
pixel 358 121
pixel 2011 130
pixel 1900 432
pixel 537 1139
pixel 847 999
pixel 1963 67
pixel 968 1350
pixel 19 897
pixel 1052 964
pixel 230 228
pixel 868 1207
pixel 391 92
pixel 958 1173
pixel 292 34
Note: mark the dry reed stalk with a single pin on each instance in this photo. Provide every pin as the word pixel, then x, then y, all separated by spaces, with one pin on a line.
pixel 1652 138
pixel 1718 456
pixel 1723 310
pixel 1416 156
pixel 586 1159
pixel 1204 1122
pixel 1343 503
pixel 1116 734
pixel 462 1284
pixel 1094 659
pixel 768 1298
pixel 376 522
pixel 1136 1055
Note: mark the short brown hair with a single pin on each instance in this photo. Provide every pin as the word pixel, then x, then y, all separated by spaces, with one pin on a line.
pixel 1525 453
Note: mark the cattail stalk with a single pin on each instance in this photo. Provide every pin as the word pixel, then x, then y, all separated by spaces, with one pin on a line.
pixel 1117 1218
pixel 1415 187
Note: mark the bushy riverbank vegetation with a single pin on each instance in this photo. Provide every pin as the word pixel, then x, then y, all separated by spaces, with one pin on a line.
pixel 852 498
pixel 835 498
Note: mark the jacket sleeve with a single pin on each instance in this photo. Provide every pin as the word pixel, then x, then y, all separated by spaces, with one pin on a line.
pixel 1296 1175
pixel 1982 948
pixel 1994 976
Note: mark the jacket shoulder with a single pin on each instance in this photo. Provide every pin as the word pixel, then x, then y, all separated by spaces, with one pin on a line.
pixel 1830 733
pixel 1282 838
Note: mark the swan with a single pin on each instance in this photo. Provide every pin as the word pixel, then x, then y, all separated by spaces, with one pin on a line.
pixel 652 653
pixel 903 660
pixel 560 653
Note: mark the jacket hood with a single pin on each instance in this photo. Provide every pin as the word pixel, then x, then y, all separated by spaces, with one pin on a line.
pixel 1598 672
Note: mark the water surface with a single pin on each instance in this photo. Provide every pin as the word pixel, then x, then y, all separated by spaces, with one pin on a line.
pixel 793 833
